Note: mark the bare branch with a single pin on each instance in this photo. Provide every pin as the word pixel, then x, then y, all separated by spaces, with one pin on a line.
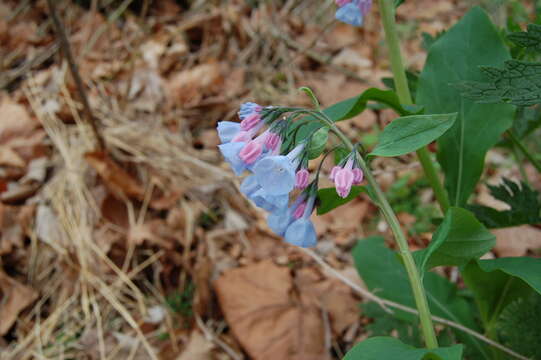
pixel 66 49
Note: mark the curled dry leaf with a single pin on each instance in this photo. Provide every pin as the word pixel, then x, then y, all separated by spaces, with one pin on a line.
pixel 516 241
pixel 190 86
pixel 264 317
pixel 115 178
pixel 16 297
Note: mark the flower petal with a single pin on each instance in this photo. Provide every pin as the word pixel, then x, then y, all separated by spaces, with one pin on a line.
pixel 275 174
pixel 301 233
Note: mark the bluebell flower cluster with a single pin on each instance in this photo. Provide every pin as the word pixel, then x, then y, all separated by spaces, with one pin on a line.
pixel 256 145
pixel 353 12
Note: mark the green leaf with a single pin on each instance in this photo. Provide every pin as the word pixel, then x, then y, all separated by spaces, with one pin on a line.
pixel 385 324
pixel 311 95
pixel 530 39
pixel 318 142
pixel 354 106
pixel 526 268
pixel 493 290
pixel 409 133
pixel 459 239
pixel 518 83
pixel 340 153
pixel 428 39
pixel 381 271
pixel 519 326
pixel 328 199
pixel 378 348
pixel 526 121
pixel 412 78
pixel 397 3
pixel 523 201
pixel 498 282
pixel 452 59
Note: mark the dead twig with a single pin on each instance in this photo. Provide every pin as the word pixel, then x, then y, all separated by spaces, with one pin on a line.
pixel 66 49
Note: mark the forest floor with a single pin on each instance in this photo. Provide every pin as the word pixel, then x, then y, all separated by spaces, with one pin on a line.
pixel 132 242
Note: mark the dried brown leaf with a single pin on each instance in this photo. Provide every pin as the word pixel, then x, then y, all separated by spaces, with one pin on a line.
pixel 188 87
pixel 115 178
pixel 16 120
pixel 16 297
pixel 265 318
pixel 516 241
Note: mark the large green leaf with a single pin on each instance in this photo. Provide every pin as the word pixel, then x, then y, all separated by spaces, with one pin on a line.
pixel 382 272
pixel 493 290
pixel 459 239
pixel 378 348
pixel 523 201
pixel 409 133
pixel 453 58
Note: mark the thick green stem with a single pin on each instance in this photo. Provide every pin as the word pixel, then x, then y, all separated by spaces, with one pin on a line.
pixel 411 268
pixel 401 83
pixel 516 141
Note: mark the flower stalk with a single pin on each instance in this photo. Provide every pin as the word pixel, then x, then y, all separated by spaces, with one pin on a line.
pixel 387 11
pixel 411 268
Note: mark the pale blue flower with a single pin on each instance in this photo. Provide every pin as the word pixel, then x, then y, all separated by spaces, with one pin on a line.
pixel 249 186
pixel 271 203
pixel 276 174
pixel 253 191
pixel 227 130
pixel 230 152
pixel 279 221
pixel 350 14
pixel 302 232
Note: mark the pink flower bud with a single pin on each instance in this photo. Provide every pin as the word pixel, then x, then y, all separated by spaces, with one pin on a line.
pixel 251 152
pixel 357 176
pixel 334 171
pixel 343 180
pixel 272 141
pixel 301 179
pixel 342 2
pixel 299 211
pixel 250 121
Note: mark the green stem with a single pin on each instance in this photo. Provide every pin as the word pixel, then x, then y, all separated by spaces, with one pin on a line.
pixel 411 268
pixel 401 83
pixel 516 141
